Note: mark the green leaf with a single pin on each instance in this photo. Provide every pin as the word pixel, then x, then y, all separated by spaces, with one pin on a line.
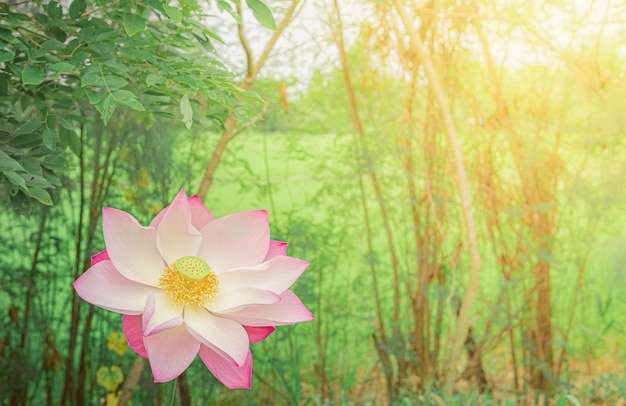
pixel 95 79
pixel 15 69
pixel 133 104
pixel 85 34
pixel 35 181
pixel 6 35
pixel 31 75
pixel 31 140
pixel 190 80
pixel 129 99
pixel 68 121
pixel 94 97
pixel 50 45
pixel 14 178
pixel 4 84
pixel 133 24
pixel 173 13
pixel 49 136
pixel 262 14
pixel 153 79
pixel 101 50
pixel 185 109
pixel 61 67
pixel 55 163
pixel 55 11
pixel 116 67
pixel 6 56
pixel 106 108
pixel 41 195
pixel 111 82
pixel 52 178
pixel 77 8
pixel 574 400
pixel 89 79
pixel 71 139
pixel 7 162
pixel 27 128
pixel 228 7
pixel 55 32
pixel 45 48
pixel 109 378
pixel 123 94
pixel 562 400
pixel 215 36
pixel 138 53
pixel 31 165
pixel 79 58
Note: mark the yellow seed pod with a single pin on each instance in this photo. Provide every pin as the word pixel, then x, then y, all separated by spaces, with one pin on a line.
pixel 192 267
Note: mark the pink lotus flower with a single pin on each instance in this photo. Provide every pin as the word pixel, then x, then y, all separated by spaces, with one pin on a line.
pixel 189 284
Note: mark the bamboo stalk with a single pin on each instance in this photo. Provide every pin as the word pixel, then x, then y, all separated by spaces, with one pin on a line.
pixel 465 312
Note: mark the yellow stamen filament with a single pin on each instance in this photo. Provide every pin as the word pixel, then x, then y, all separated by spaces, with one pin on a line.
pixel 189 281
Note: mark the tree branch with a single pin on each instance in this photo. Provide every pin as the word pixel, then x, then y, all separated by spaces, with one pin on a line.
pixel 244 43
pixel 252 71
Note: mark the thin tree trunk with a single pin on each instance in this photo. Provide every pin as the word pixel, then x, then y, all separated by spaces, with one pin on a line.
pixel 356 120
pixel 463 321
pixel 18 397
pixel 132 379
pixel 402 362
pixel 69 387
pixel 216 157
pixel 537 189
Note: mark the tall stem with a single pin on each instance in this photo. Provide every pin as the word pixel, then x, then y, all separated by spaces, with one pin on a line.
pixel 168 389
pixel 69 387
pixel 356 120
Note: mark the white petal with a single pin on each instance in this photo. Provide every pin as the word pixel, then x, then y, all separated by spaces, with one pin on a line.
pixel 259 333
pixel 132 327
pixel 289 310
pixel 200 216
pixel 235 241
pixel 102 285
pixel 276 248
pixel 157 219
pixel 101 256
pixel 232 376
pixel 170 352
pixel 176 236
pixel 161 314
pixel 225 336
pixel 241 298
pixel 131 247
pixel 275 275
